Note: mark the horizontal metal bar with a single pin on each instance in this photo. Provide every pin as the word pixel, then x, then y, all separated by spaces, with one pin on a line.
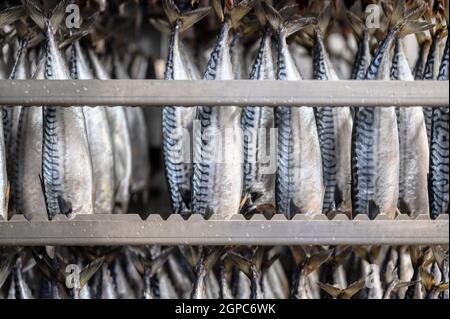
pixel 131 230
pixel 221 93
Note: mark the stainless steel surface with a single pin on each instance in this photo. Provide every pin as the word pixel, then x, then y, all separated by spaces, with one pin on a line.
pixel 242 93
pixel 132 230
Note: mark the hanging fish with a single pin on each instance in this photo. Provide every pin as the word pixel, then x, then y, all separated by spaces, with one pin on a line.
pixel 137 128
pixel 121 143
pixel 375 146
pixel 218 141
pixel 259 137
pixel 177 121
pixel 299 180
pixel 66 163
pixel 438 186
pixel 99 138
pixel 413 146
pixel 432 68
pixel 334 125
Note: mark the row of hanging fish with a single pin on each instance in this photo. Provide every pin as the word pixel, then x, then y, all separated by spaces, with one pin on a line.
pixel 72 160
pixel 352 160
pixel 152 272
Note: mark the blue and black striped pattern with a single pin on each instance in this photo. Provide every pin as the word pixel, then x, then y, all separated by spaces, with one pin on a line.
pixel 177 172
pixel 283 120
pixel 325 129
pixel 363 164
pixel 438 187
pixel 204 152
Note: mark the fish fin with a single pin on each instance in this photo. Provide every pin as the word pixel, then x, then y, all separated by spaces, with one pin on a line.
pixel 375 251
pixel 11 15
pixel 89 271
pixel 85 29
pixel 217 7
pixel 404 284
pixel 259 11
pixel 412 27
pixel 65 207
pixel 317 260
pixel 329 289
pixel 236 13
pixel 289 26
pixel 299 254
pixel 242 263
pixel 213 255
pixel 361 252
pixel 186 19
pixel 171 10
pixel 357 25
pixel 338 197
pixel 190 18
pixel 354 288
pixel 442 287
pixel 374 209
pixel 427 278
pixel 258 257
pixel 340 258
pixel 56 15
pixel 6 265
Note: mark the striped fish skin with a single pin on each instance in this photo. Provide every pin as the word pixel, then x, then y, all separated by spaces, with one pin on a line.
pixel 257 123
pixel 120 136
pixel 375 148
pixel 66 163
pixel 177 124
pixel 218 143
pixel 11 120
pixel 413 145
pixel 363 58
pixel 335 134
pixel 431 72
pixel 99 139
pixel 299 180
pixel 439 151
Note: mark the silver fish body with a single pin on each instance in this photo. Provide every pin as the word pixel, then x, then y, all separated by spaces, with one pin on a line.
pixel 100 142
pixel 177 126
pixel 66 162
pixel 335 134
pixel 413 144
pixel 299 181
pixel 375 148
pixel 120 135
pixel 258 125
pixel 218 144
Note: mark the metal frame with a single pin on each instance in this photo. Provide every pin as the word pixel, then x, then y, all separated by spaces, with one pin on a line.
pixel 302 230
pixel 130 229
pixel 221 93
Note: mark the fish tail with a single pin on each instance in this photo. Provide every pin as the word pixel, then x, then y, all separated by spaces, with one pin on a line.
pixel 231 12
pixel 405 20
pixel 11 15
pixel 43 19
pixel 289 25
pixel 185 19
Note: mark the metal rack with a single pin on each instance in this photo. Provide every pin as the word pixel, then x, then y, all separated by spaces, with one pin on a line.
pixel 302 230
